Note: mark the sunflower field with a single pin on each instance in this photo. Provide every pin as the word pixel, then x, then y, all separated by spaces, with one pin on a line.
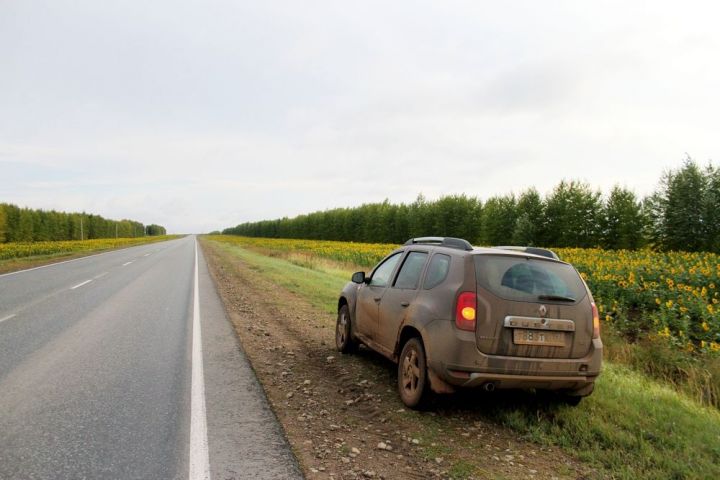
pixel 351 253
pixel 672 297
pixel 31 249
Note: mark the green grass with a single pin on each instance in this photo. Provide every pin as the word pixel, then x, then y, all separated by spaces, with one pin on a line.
pixel 320 285
pixel 462 469
pixel 631 427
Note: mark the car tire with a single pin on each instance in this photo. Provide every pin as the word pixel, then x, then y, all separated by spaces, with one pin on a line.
pixel 413 384
pixel 344 340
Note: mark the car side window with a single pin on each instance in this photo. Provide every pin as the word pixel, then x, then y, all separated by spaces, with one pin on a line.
pixel 381 275
pixel 437 271
pixel 409 276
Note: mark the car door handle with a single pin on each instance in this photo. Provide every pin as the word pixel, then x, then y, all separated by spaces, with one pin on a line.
pixel 404 304
pixel 377 299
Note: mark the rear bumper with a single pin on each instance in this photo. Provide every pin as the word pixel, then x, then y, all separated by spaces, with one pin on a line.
pixel 455 360
pixel 503 381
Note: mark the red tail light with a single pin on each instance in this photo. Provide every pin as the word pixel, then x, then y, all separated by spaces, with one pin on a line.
pixel 596 321
pixel 466 311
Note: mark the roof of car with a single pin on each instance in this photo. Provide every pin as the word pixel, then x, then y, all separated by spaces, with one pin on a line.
pixel 543 252
pixel 502 251
pixel 450 242
pixel 479 251
pixel 461 246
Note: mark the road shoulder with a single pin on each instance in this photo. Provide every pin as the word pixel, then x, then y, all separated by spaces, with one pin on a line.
pixel 244 436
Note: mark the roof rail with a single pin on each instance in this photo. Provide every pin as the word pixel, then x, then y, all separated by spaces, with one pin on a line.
pixel 450 242
pixel 543 252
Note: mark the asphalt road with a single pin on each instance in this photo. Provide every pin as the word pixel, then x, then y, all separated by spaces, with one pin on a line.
pixel 104 373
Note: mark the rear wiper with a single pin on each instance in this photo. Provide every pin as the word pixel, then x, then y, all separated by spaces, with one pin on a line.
pixel 558 298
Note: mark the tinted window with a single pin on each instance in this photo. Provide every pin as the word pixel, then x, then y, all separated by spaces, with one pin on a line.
pixel 382 273
pixel 437 271
pixel 523 279
pixel 410 271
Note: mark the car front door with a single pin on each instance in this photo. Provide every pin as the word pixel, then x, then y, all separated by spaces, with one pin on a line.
pixel 395 304
pixel 370 295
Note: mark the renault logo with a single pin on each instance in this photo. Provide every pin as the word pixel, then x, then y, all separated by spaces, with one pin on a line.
pixel 542 310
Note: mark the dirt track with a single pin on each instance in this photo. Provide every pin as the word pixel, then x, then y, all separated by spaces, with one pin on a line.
pixel 341 413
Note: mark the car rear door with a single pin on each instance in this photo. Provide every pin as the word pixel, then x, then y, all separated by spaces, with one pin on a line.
pixel 531 307
pixel 396 302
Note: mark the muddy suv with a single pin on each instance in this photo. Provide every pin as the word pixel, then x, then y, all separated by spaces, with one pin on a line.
pixel 453 316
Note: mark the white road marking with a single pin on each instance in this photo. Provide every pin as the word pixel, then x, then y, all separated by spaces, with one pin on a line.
pixel 127 263
pixel 80 284
pixel 7 318
pixel 100 276
pixel 147 255
pixel 199 451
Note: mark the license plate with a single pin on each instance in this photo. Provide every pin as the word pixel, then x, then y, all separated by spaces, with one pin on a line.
pixel 523 336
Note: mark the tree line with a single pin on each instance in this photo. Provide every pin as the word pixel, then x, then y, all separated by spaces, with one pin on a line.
pixel 682 214
pixel 29 225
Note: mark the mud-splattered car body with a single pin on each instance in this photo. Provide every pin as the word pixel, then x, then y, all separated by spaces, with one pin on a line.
pixel 477 317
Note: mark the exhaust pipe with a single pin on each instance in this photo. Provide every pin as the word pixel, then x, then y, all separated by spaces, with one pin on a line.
pixel 489 387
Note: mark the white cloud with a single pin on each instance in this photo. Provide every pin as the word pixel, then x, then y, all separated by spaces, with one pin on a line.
pixel 200 115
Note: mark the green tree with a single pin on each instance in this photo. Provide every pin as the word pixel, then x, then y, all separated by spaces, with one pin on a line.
pixel 499 219
pixel 530 222
pixel 420 221
pixel 41 226
pixel 711 210
pixel 154 230
pixel 677 209
pixel 457 216
pixel 684 213
pixel 25 226
pixel 3 222
pixel 573 213
pixel 12 222
pixel 623 220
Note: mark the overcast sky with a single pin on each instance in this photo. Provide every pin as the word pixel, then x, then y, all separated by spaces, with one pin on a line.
pixel 199 115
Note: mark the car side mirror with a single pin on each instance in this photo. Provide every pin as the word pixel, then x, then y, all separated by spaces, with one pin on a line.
pixel 358 277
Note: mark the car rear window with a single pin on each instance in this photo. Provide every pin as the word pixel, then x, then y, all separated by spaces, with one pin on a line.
pixel 528 279
pixel 437 271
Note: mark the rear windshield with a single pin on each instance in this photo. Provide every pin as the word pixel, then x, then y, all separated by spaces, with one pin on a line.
pixel 529 279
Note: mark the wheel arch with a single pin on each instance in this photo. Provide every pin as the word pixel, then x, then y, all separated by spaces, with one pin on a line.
pixel 437 385
pixel 406 333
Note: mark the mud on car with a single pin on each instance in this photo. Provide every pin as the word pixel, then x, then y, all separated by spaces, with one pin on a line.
pixel 453 316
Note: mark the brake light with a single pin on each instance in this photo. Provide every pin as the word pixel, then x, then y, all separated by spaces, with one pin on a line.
pixel 596 321
pixel 465 313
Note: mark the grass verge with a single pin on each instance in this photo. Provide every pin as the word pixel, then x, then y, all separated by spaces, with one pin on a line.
pixel 631 427
pixel 696 375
